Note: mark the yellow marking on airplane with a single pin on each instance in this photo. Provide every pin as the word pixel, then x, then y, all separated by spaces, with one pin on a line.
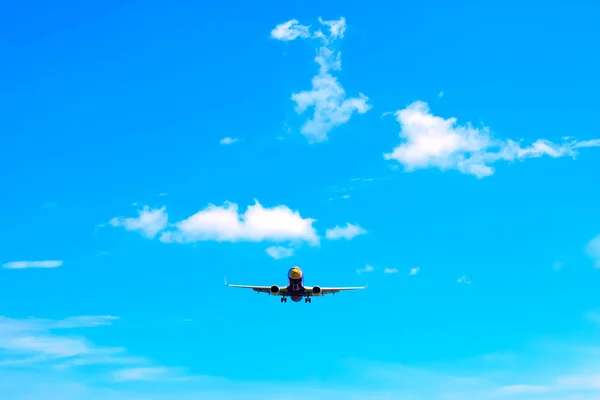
pixel 295 273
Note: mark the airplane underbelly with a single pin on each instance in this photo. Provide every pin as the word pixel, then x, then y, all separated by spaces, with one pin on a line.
pixel 295 290
pixel 295 287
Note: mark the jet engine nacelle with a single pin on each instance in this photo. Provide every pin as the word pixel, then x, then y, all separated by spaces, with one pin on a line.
pixel 316 290
pixel 275 289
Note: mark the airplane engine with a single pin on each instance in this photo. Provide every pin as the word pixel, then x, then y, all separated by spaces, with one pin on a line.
pixel 275 289
pixel 316 290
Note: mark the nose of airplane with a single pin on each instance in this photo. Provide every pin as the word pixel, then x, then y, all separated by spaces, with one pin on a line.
pixel 295 273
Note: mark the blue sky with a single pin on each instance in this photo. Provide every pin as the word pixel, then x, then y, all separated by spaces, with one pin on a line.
pixel 445 155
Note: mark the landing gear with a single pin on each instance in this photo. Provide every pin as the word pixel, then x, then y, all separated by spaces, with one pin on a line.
pixel 308 300
pixel 284 300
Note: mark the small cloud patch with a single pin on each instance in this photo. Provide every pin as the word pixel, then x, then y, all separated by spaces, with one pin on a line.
pixel 33 264
pixel 228 140
pixel 367 268
pixel 279 252
pixel 347 232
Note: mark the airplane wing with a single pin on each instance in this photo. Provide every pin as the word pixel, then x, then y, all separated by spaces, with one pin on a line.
pixel 332 290
pixel 261 289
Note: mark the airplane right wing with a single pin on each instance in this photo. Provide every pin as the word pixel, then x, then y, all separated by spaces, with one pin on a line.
pixel 281 290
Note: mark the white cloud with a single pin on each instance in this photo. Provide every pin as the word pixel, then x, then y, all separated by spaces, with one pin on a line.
pixel 143 374
pixel 432 141
pixel 348 232
pixel 327 97
pixel 464 279
pixel 367 268
pixel 256 224
pixel 441 94
pixel 279 252
pixel 228 140
pixel 390 270
pixel 414 271
pixel 33 264
pixel 149 221
pixel 593 250
pixel 290 30
pixel 225 224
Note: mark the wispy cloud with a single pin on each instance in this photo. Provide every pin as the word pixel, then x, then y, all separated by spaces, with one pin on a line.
pixel 541 370
pixel 148 374
pixel 31 341
pixel 279 252
pixel 566 387
pixel 432 141
pixel 593 250
pixel 343 197
pixel 228 140
pixel 367 268
pixel 33 264
pixel 388 270
pixel 327 97
pixel 524 389
pixel 594 316
pixel 84 321
pixel 414 271
pixel 538 374
pixel 464 279
pixel 347 232
pixel 57 345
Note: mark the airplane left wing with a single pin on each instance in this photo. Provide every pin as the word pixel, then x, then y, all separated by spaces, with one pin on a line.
pixel 330 290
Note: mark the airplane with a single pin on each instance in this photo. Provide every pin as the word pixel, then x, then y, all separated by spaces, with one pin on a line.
pixel 295 288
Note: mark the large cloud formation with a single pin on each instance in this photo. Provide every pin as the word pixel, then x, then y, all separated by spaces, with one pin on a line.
pixel 256 224
pixel 224 224
pixel 432 141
